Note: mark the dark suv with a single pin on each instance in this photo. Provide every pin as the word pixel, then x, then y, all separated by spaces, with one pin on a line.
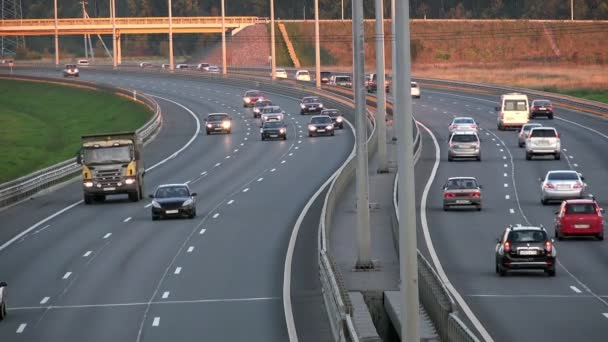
pixel 310 104
pixel 541 108
pixel 521 248
pixel 335 116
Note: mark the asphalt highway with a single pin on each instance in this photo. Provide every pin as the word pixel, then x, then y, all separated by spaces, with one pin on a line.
pixel 527 306
pixel 107 272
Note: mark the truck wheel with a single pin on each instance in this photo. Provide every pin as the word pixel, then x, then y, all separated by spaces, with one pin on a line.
pixel 88 199
pixel 141 192
pixel 134 196
pixel 528 156
pixel 558 156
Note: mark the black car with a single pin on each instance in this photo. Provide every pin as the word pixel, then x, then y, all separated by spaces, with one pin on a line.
pixel 173 200
pixel 320 125
pixel 274 130
pixel 3 286
pixel 325 76
pixel 541 108
pixel 310 104
pixel 218 123
pixel 251 97
pixel 335 116
pixel 259 105
pixel 521 248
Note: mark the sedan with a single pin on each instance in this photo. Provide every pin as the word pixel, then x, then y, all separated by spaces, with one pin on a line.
pixel 541 108
pixel 320 125
pixel 259 105
pixel 273 130
pixel 560 185
pixel 3 286
pixel 251 97
pixel 281 74
pixel 214 69
pixel 218 123
pixel 271 113
pixel 461 191
pixel 335 116
pixel 173 200
pixel 525 248
pixel 145 65
pixel 579 217
pixel 524 132
pixel 463 123
pixel 310 104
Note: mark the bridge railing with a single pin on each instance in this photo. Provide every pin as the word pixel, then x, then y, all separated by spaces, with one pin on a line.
pixel 131 21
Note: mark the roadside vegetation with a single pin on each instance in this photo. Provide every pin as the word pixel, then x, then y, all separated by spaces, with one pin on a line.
pixel 41 124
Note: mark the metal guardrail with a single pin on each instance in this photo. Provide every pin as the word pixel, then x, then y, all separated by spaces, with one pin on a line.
pixel 130 21
pixel 23 187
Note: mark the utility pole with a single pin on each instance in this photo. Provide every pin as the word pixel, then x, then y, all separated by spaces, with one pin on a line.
pixel 342 5
pixel 170 37
pixel 273 63
pixel 380 89
pixel 113 15
pixel 317 47
pixel 223 39
pixel 393 63
pixel 571 9
pixel 364 258
pixel 56 37
pixel 84 16
pixel 405 153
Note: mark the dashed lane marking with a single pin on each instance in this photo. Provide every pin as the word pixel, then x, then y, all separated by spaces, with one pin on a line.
pixel 156 322
pixel 216 215
pixel 67 275
pixel 87 254
pixel 45 300
pixel 21 328
pixel 575 289
pixel 202 231
pixel 165 295
pixel 178 270
pixel 127 219
pixel 190 249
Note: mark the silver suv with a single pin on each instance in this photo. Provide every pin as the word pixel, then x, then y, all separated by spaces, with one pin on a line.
pixel 464 145
pixel 543 141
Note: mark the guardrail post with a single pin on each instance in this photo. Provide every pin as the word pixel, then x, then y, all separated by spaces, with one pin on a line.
pixel 134 94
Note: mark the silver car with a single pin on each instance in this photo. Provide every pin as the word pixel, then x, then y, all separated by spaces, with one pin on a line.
pixel 560 185
pixel 543 141
pixel 3 286
pixel 461 191
pixel 464 145
pixel 463 123
pixel 524 131
pixel 271 113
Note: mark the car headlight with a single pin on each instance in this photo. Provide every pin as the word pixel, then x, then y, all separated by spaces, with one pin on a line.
pixel 209 125
pixel 247 100
pixel 88 184
pixel 302 105
pixel 129 181
pixel 329 127
pixel 282 130
pixel 312 128
pixel 339 119
pixel 155 204
pixel 187 202
pixel 320 105
pixel 226 124
pixel 256 110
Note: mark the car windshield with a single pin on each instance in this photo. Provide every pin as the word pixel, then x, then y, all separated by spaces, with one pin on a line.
pixel 310 100
pixel 580 208
pixel 518 105
pixel 541 103
pixel 464 138
pixel 463 121
pixel 273 124
pixel 263 103
pixel 464 183
pixel 252 93
pixel 271 110
pixel 333 113
pixel 303 73
pixel 527 236
pixel 101 155
pixel 570 176
pixel 527 128
pixel 217 117
pixel 414 85
pixel 320 120
pixel 173 191
pixel 543 133
pixel 70 66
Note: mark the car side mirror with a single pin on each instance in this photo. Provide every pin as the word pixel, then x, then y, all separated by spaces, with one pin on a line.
pixel 602 210
pixel 497 108
pixel 556 212
pixel 3 284
pixel 497 240
pixel 193 194
pixel 151 196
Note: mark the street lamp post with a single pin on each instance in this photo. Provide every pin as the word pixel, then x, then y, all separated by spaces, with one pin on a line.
pixel 273 63
pixel 571 9
pixel 56 37
pixel 113 15
pixel 170 37
pixel 317 47
pixel 223 39
pixel 380 90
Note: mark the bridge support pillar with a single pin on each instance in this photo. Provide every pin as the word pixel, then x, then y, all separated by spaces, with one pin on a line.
pixel 118 50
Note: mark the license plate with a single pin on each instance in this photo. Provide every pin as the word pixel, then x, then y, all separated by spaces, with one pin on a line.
pixel 218 128
pixel 109 189
pixel 542 108
pixel 172 211
pixel 581 226
pixel 321 130
pixel 563 187
pixel 462 202
pixel 543 142
pixel 528 252
pixel 274 136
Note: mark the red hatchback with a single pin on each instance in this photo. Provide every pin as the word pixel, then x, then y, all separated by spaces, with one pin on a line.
pixel 579 217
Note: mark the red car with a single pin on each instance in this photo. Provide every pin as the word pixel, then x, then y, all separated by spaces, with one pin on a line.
pixel 251 97
pixel 579 217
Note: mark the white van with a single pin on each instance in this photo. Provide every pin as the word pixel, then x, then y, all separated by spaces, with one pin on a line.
pixel 513 111
pixel 303 75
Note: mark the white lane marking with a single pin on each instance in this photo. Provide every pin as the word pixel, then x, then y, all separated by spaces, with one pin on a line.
pixel 246 189
pixel 148 205
pixel 565 150
pixel 245 138
pixel 571 157
pixel 507 197
pixel 190 249
pixel 605 314
pixel 493 139
pixel 429 244
pixel 512 211
pixel 67 275
pixel 236 150
pixel 230 202
pixel 21 328
pixel 166 295
pixel 299 141
pixel 202 231
pixel 506 185
pixel 575 289
pixel 87 254
pixel 501 150
pixel 260 179
pixel 497 144
pixel 291 154
pixel 242 144
pixel 504 157
pixel 297 148
pixel 506 174
pixel 282 162
pixel 506 165
pixel 127 219
pixel 217 164
pixel 575 165
pixel 107 235
pixel 273 170
pixel 156 322
pixel 227 157
pixel 203 173
pixel 187 182
pixel 178 270
pixel 45 300
pixel 585 127
pixel 487 133
pixel 216 215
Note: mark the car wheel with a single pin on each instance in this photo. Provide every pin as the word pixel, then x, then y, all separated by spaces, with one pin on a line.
pixel 550 272
pixel 550 116
pixel 446 207
pixel 88 199
pixel 134 196
pixel 558 235
pixel 600 236
pixel 229 131
pixel 500 128
pixel 333 133
pixel 301 113
pixel 208 133
pixel 155 217
pixel 521 145
pixel 450 158
pixel 479 207
pixel 2 311
pixel 558 156
pixel 310 134
pixel 285 138
pixel 479 157
pixel 544 201
pixel 501 271
pixel 263 138
pixel 528 156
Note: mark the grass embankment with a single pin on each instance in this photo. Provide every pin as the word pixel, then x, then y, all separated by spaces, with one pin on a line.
pixel 302 39
pixel 41 124
pixel 281 53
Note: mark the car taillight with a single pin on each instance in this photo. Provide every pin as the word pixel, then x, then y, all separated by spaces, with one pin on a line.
pixel 548 246
pixel 557 135
pixel 533 108
pixel 577 186
pixel 507 247
pixel 449 195
pixel 451 144
pixel 452 126
pixel 550 108
pixel 474 126
pixel 549 186
pixel 476 194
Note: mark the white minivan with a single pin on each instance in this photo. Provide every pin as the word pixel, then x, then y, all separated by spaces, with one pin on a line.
pixel 513 111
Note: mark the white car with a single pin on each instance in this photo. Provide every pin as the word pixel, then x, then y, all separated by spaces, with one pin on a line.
pixel 214 69
pixel 83 62
pixel 303 75
pixel 271 113
pixel 281 73
pixel 3 286
pixel 463 124
pixel 415 90
pixel 559 185
pixel 145 65
pixel 543 141
pixel 203 66
pixel 182 66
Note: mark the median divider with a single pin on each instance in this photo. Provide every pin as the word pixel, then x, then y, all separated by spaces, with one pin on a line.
pixel 21 188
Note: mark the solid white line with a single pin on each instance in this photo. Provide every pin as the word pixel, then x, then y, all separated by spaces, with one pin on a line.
pixel 260 179
pixel 187 182
pixel 230 202
pixel 429 244
pixel 156 321
pixel 107 235
pixel 45 300
pixel 127 219
pixel 575 289
pixel 166 295
pixel 190 249
pixel 87 254
pixel 511 211
pixel 67 275
pixel 216 215
pixel 202 231
pixel 21 328
pixel 605 314
pixel 246 189
pixel 178 270
pixel 273 170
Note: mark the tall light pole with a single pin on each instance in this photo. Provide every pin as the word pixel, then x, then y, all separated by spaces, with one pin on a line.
pixel 380 90
pixel 342 5
pixel 317 47
pixel 170 37
pixel 405 156
pixel 571 9
pixel 113 15
pixel 393 61
pixel 273 62
pixel 56 37
pixel 364 258
pixel 223 39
